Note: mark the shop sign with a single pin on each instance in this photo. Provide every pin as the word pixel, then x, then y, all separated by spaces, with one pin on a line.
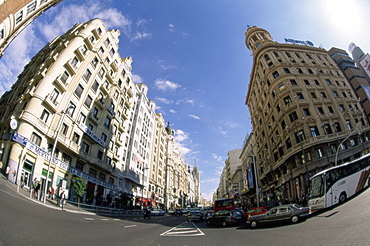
pixel 294 41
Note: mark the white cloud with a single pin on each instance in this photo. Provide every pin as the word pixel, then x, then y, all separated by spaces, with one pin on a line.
pixel 172 111
pixel 172 28
pixel 182 140
pixel 141 35
pixel 163 100
pixel 165 85
pixel 223 132
pixel 164 66
pixel 217 157
pixel 190 101
pixel 137 79
pixel 194 116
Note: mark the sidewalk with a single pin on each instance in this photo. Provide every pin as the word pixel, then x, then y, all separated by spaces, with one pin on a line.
pixel 68 206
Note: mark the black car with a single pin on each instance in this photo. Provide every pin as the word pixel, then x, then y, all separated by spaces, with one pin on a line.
pixel 292 212
pixel 226 217
pixel 177 212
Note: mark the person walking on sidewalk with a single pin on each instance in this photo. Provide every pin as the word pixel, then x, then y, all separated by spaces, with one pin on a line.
pixel 14 177
pixel 7 172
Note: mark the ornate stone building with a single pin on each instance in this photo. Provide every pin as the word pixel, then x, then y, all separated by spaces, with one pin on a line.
pixel 302 107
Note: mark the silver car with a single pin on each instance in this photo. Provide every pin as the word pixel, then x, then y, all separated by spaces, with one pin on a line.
pixel 292 212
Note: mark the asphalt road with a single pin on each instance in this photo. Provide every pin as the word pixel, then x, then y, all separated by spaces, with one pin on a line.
pixel 24 222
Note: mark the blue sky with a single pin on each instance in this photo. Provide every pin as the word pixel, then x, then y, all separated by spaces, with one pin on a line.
pixel 192 56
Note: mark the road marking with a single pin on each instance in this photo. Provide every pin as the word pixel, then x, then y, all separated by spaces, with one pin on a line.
pixel 104 219
pixel 89 219
pixel 186 229
pixel 129 226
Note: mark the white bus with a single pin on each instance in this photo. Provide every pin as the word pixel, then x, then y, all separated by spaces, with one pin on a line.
pixel 336 184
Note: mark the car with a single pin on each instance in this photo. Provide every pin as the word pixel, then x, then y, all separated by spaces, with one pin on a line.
pixel 292 212
pixel 177 212
pixel 194 215
pixel 208 214
pixel 226 217
pixel 158 212
pixel 256 211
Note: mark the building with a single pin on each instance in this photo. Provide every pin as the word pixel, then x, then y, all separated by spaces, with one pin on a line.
pixel 355 74
pixel 16 15
pixel 75 112
pixel 71 122
pixel 139 138
pixel 362 60
pixel 305 114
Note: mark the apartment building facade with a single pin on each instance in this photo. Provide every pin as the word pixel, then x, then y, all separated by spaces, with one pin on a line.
pixel 75 111
pixel 16 15
pixel 302 107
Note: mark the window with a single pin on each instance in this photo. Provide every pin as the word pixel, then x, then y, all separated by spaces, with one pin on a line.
pixel 335 94
pixel 79 90
pixel 95 113
pixel 71 109
pixel 286 70
pixel 1 34
pixel 88 101
pixel 45 116
pixel 293 116
pixel 330 109
pixel 314 131
pixel 306 112
pixel 64 77
pixel 328 81
pixel 267 57
pixel 321 111
pixel 107 122
pixel 66 158
pixel 293 82
pixel 275 74
pixel 323 95
pixel 36 139
pixel 288 143
pixel 85 147
pixel 316 82
pixel 353 142
pixel 54 96
pixel 313 95
pixel 76 138
pixel 328 129
pixel 300 96
pixel 83 49
pixel 309 71
pixel 64 129
pixel 108 161
pixel 101 72
pixel 306 82
pixel 300 71
pixel 104 136
pixel 81 118
pixel 320 152
pixel 31 7
pixel 337 127
pixel 74 62
pixel 112 52
pixel 107 42
pixel 18 17
pixel 87 75
pixel 99 155
pixel 300 136
pixel 95 62
pixel 95 86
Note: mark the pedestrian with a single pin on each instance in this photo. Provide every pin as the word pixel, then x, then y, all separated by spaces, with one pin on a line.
pixel 14 178
pixel 38 191
pixel 34 186
pixel 7 172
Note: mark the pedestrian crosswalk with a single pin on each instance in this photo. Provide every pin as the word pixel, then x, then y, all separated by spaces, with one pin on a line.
pixel 186 229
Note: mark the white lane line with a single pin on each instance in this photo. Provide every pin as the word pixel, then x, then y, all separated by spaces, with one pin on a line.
pixel 104 219
pixel 89 219
pixel 129 226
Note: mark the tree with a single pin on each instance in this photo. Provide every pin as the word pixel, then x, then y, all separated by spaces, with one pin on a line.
pixel 79 185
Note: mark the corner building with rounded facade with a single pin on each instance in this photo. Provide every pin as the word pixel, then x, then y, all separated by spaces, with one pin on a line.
pixel 75 94
pixel 302 107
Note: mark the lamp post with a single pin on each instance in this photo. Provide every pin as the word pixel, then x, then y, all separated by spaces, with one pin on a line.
pixel 64 112
pixel 256 179
pixel 357 128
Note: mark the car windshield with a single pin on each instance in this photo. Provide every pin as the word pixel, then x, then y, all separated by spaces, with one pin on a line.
pixel 296 206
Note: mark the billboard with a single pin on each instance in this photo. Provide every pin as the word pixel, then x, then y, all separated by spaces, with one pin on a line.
pixel 365 63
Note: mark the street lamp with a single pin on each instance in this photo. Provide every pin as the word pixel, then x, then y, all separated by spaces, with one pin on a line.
pixel 357 128
pixel 256 179
pixel 64 112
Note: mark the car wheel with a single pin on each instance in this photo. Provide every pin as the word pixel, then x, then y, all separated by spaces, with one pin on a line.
pixel 224 223
pixel 254 224
pixel 342 197
pixel 208 222
pixel 294 219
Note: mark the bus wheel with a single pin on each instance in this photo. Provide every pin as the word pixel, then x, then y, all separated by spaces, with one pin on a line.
pixel 294 219
pixel 342 197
